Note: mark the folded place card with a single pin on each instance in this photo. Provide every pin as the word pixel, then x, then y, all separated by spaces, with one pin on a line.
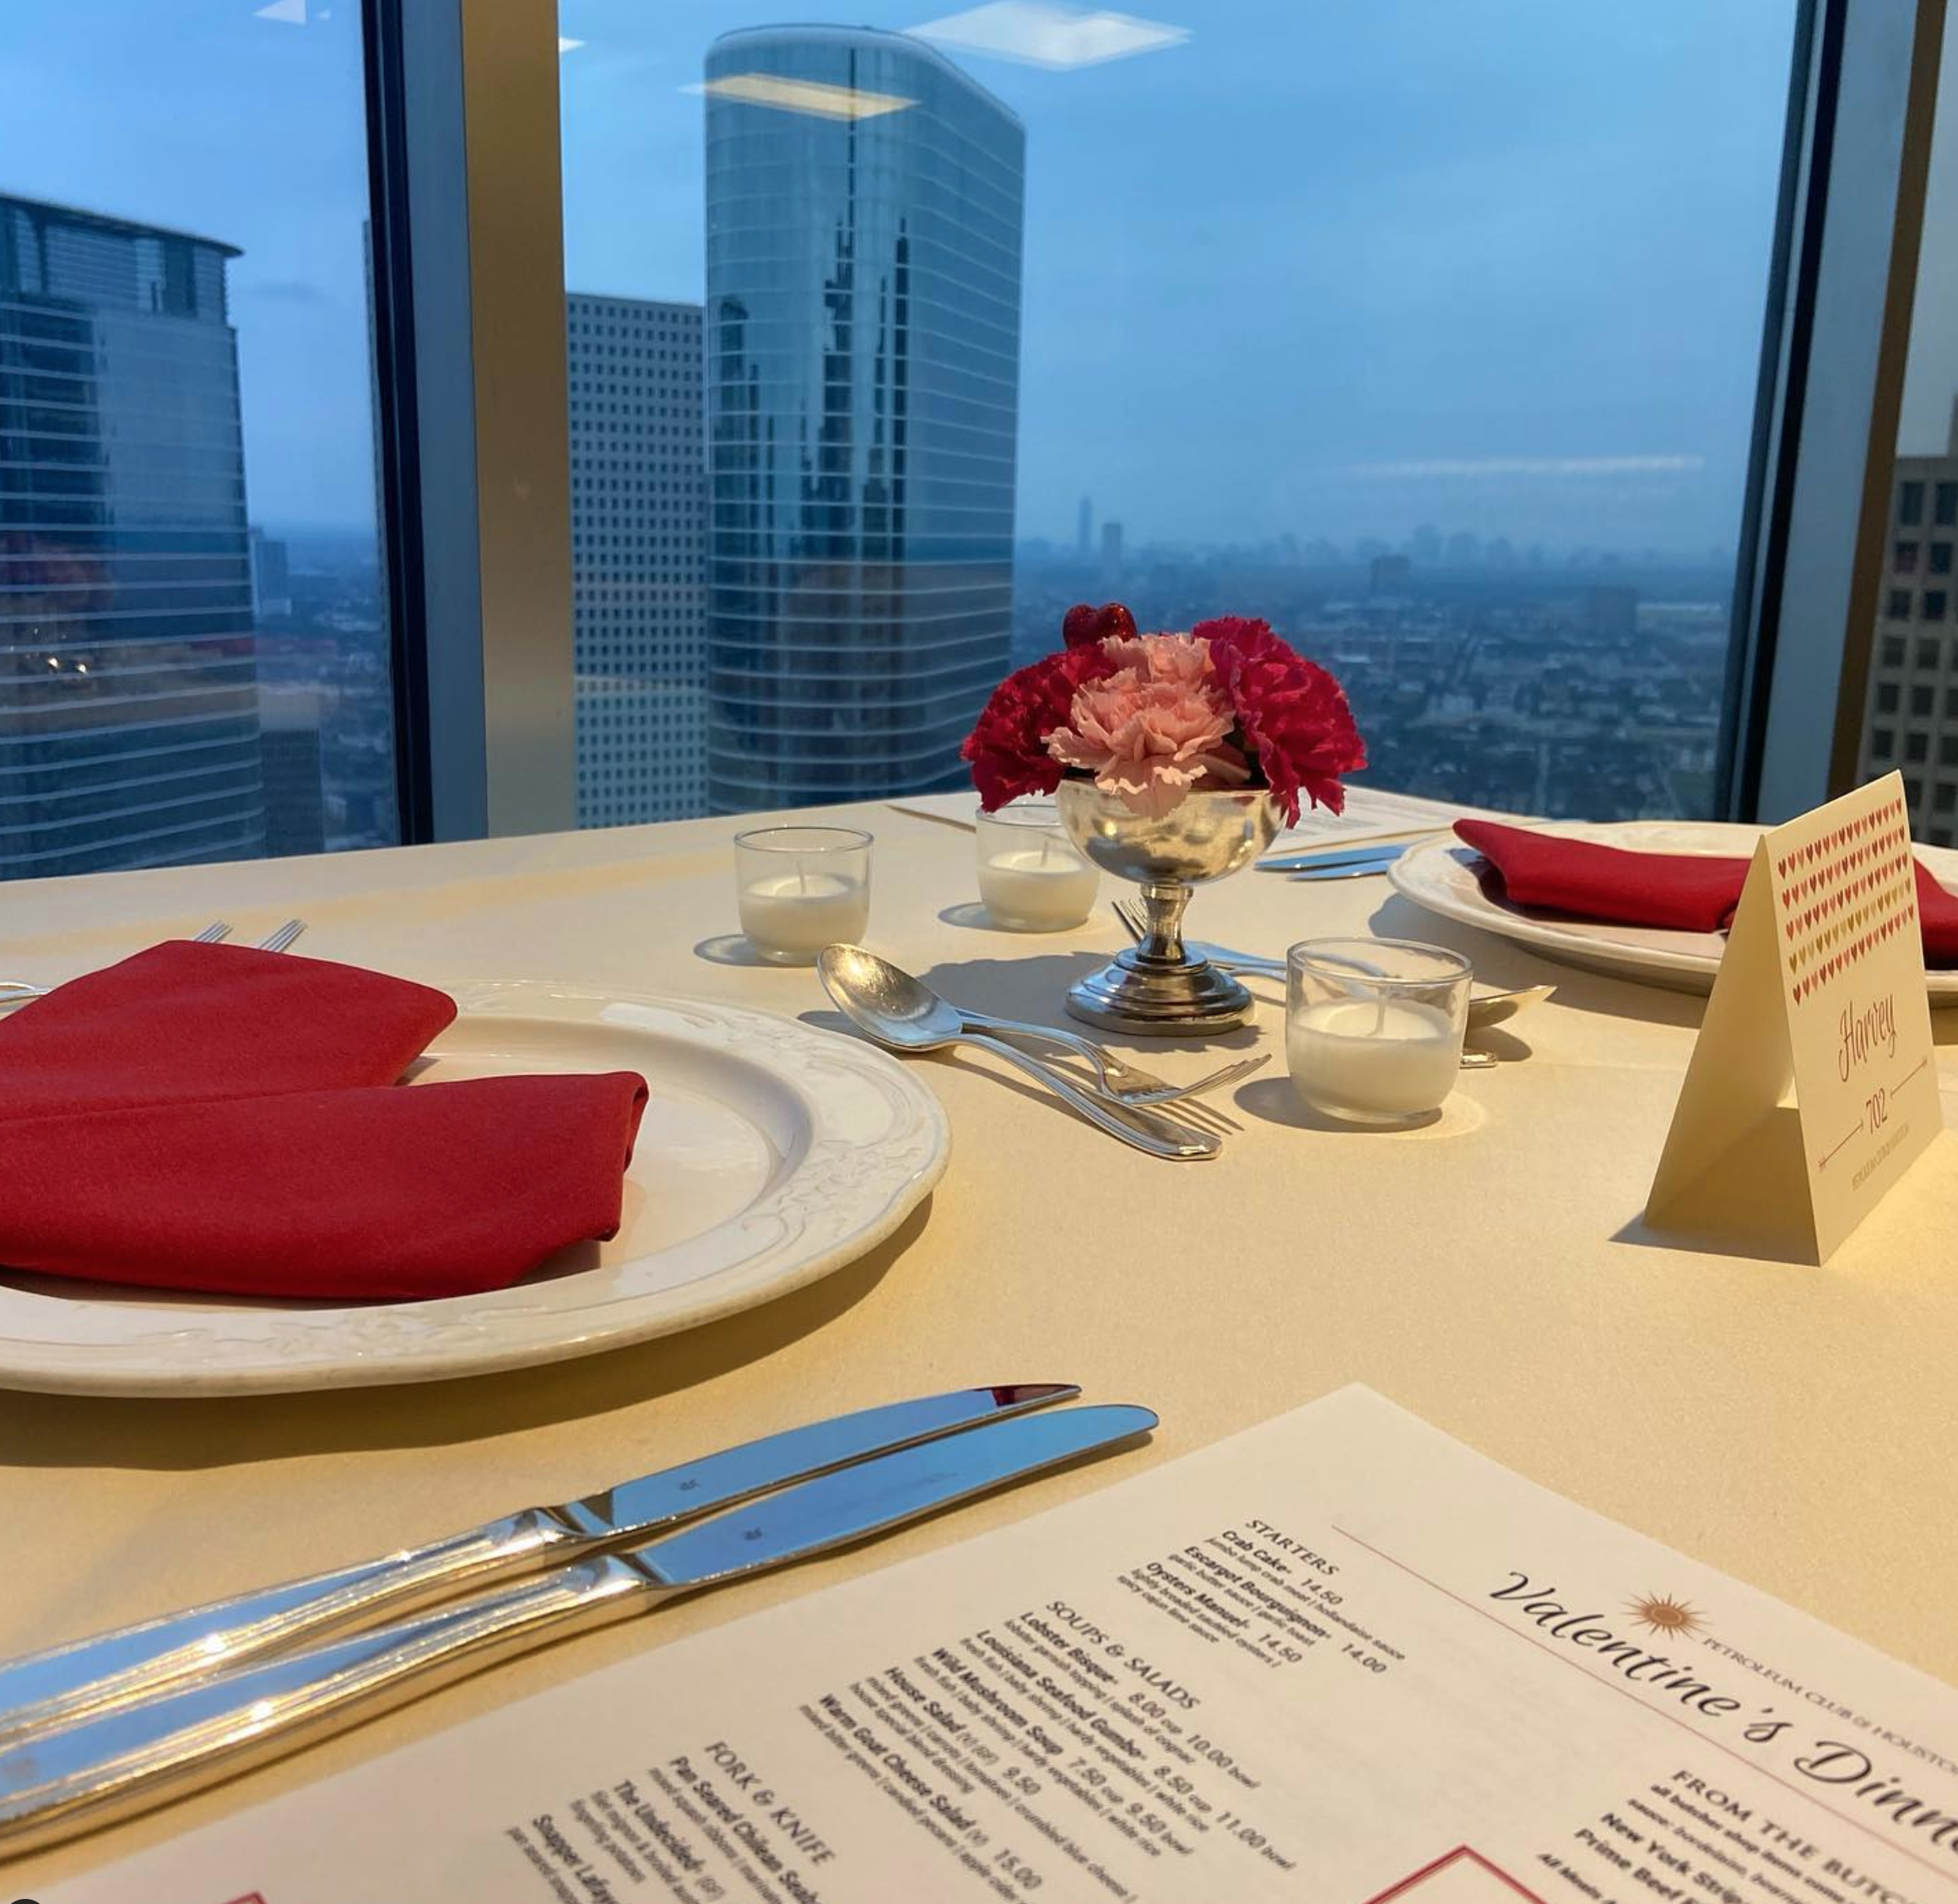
pixel 1821 988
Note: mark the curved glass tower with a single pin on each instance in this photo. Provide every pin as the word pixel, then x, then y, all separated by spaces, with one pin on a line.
pixel 864 204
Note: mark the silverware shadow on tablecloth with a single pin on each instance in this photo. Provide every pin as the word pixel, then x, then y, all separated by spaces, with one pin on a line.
pixel 1725 1213
pixel 1499 963
pixel 1036 990
pixel 184 1435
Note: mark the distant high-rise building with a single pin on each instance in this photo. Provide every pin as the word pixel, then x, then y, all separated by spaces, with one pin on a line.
pixel 271 576
pixel 638 558
pixel 864 214
pixel 1425 544
pixel 1911 719
pixel 296 797
pixel 1611 611
pixel 128 697
pixel 1084 529
pixel 1390 575
pixel 1112 555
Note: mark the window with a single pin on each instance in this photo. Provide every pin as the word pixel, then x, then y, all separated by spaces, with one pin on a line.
pixel 1948 750
pixel 1917 747
pixel 1945 797
pixel 1926 653
pixel 1904 558
pixel 193 652
pixel 1893 650
pixel 1910 503
pixel 1945 505
pixel 1940 557
pixel 1922 701
pixel 1883 742
pixel 1510 530
pixel 1886 697
pixel 1934 602
pixel 1897 604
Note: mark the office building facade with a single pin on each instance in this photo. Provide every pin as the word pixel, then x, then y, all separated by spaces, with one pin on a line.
pixel 1911 719
pixel 638 556
pixel 864 208
pixel 128 700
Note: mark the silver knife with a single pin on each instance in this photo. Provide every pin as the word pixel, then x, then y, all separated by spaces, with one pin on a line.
pixel 52 1688
pixel 1345 855
pixel 128 1761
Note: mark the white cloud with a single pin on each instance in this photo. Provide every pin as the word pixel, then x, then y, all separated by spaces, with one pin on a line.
pixel 568 45
pixel 1037 33
pixel 1474 467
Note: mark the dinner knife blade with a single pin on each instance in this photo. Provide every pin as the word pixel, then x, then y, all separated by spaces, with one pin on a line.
pixel 853 1503
pixel 130 1759
pixel 58 1685
pixel 1345 855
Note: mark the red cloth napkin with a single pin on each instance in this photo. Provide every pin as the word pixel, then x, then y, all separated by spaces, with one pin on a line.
pixel 1687 891
pixel 409 1192
pixel 184 1022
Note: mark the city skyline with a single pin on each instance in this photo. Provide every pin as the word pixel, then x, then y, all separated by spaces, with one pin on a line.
pixel 1419 176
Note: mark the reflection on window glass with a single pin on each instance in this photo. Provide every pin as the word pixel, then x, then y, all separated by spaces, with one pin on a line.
pixel 1927 465
pixel 1427 332
pixel 192 657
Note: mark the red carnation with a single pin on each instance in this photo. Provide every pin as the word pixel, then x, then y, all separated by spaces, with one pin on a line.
pixel 1083 626
pixel 1007 747
pixel 1293 714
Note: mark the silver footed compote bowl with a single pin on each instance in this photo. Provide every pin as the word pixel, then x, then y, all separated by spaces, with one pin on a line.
pixel 1157 989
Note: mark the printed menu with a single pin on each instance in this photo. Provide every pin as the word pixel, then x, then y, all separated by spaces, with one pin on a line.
pixel 1339 1658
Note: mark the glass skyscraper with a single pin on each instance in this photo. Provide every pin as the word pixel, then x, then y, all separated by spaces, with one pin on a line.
pixel 129 732
pixel 864 212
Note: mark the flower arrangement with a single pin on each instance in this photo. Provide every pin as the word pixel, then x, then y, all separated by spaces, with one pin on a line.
pixel 1152 718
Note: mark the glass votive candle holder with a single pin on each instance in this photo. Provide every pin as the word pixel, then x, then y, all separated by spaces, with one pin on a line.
pixel 802 888
pixel 1373 1026
pixel 1030 875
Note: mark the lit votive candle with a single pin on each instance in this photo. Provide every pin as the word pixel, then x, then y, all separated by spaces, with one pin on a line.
pixel 802 888
pixel 1373 1026
pixel 1030 875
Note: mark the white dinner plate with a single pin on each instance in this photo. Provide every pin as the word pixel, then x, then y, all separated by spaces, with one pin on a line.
pixel 770 1154
pixel 1448 878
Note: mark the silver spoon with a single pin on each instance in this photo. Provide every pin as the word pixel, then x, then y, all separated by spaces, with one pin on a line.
pixel 903 1014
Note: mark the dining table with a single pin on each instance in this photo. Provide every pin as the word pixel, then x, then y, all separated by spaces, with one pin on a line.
pixel 1490 1271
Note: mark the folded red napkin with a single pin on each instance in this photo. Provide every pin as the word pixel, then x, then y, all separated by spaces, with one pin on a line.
pixel 183 1022
pixel 1687 891
pixel 409 1191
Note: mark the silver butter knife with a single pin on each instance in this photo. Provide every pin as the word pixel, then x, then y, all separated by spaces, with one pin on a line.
pixel 1377 854
pixel 52 1688
pixel 128 1761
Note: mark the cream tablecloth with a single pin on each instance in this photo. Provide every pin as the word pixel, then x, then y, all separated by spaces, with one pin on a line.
pixel 1796 1427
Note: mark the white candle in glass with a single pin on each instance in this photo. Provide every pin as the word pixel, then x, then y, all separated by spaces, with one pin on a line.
pixel 1030 876
pixel 1373 1026
pixel 1378 1058
pixel 802 888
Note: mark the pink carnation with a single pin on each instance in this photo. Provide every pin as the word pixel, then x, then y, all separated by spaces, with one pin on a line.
pixel 1154 726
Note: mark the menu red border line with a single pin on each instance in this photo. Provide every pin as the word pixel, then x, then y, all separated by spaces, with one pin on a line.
pixel 1446 1858
pixel 1939 1871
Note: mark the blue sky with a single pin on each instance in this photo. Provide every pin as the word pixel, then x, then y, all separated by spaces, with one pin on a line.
pixel 1328 267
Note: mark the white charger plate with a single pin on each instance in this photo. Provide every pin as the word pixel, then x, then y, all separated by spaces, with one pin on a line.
pixel 1447 877
pixel 771 1153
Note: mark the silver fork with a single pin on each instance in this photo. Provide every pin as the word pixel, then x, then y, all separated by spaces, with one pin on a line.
pixel 1130 1082
pixel 18 990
